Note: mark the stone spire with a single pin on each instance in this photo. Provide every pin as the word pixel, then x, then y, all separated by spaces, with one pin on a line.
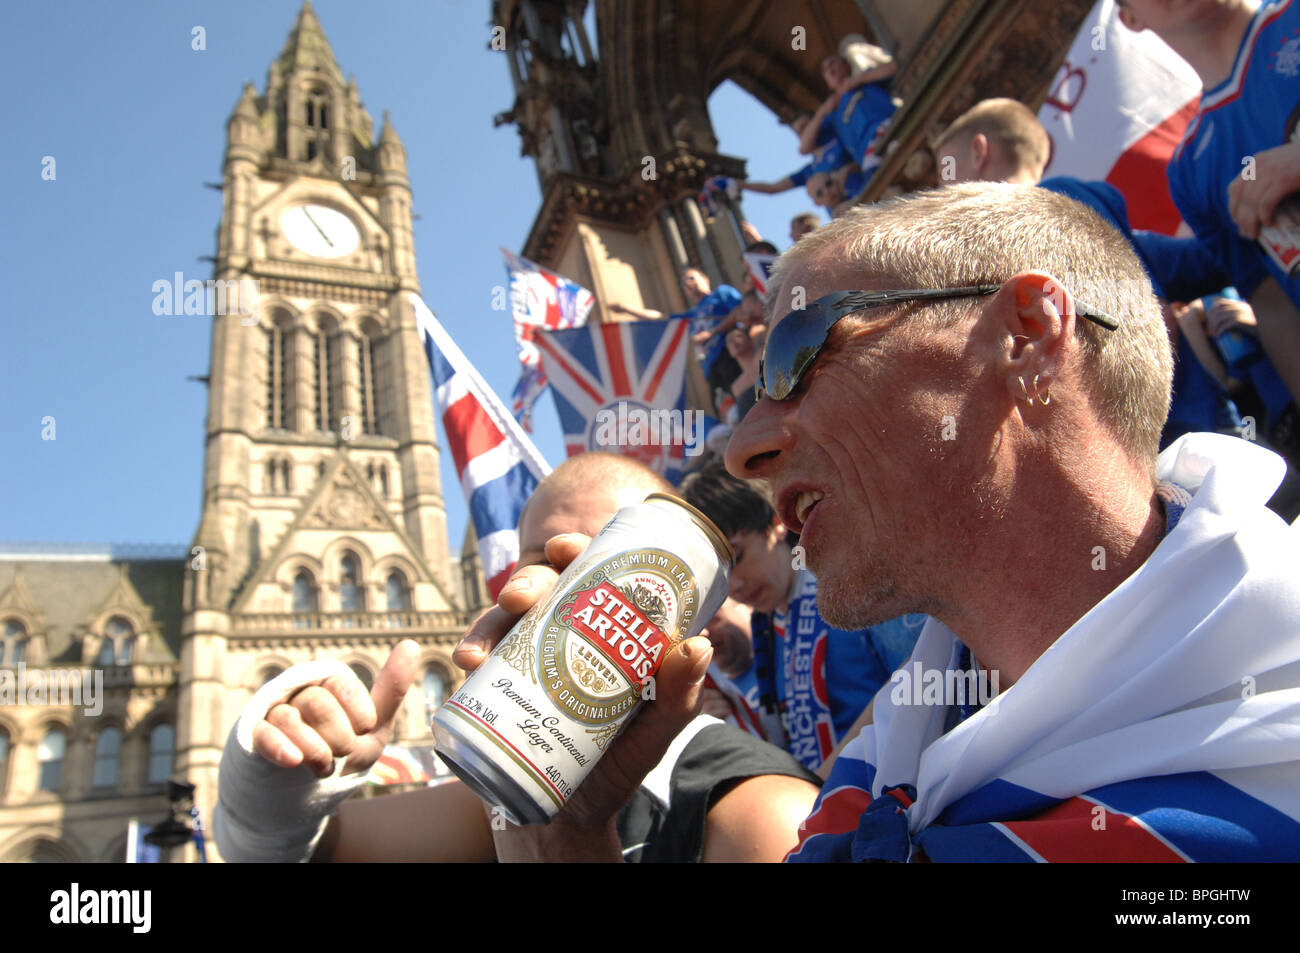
pixel 307 49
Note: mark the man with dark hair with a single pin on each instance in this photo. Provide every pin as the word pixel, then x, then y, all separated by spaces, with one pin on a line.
pixel 820 678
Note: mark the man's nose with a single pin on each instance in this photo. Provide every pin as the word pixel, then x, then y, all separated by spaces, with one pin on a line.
pixel 757 444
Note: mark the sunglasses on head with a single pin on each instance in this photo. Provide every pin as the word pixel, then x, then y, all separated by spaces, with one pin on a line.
pixel 794 343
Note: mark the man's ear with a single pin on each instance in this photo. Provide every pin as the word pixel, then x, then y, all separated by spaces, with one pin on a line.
pixel 979 153
pixel 1036 313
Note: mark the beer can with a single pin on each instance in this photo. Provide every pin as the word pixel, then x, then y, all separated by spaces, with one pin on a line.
pixel 1281 240
pixel 529 723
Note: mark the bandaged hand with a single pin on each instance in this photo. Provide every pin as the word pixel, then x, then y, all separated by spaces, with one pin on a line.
pixel 303 744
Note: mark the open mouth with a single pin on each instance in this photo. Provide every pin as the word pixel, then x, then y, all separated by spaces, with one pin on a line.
pixel 804 504
pixel 796 505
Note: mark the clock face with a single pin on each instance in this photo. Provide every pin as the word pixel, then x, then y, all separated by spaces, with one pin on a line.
pixel 320 231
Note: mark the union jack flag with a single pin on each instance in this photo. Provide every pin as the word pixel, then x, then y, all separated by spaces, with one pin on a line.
pixel 623 368
pixel 539 300
pixel 497 464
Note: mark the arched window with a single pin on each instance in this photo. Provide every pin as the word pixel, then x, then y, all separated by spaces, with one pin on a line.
pixel 323 373
pixel 363 673
pixel 118 647
pixel 107 748
pixel 50 756
pixel 304 592
pixel 268 673
pixel 435 690
pixel 162 742
pixel 316 113
pixel 14 647
pixel 304 599
pixel 276 343
pixel 366 375
pixel 396 591
pixel 351 597
pixel 279 476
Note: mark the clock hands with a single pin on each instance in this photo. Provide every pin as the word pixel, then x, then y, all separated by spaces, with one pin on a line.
pixel 318 228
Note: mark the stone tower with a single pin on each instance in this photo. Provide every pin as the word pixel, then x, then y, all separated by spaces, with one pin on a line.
pixel 323 530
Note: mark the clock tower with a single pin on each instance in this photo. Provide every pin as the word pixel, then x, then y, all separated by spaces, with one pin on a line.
pixel 323 530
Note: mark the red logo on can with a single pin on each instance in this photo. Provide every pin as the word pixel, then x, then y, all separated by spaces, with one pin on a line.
pixel 609 619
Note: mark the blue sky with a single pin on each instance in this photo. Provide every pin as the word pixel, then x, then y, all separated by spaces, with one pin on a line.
pixel 135 122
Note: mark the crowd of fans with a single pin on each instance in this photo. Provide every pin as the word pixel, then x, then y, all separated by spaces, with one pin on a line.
pixel 1091 542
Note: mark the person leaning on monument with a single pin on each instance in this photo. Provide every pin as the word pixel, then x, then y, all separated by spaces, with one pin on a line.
pixel 982 449
pixel 717 794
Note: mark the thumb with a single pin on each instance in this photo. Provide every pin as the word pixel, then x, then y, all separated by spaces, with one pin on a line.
pixel 393 682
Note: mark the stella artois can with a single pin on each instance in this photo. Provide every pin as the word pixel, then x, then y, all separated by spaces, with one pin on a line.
pixel 528 725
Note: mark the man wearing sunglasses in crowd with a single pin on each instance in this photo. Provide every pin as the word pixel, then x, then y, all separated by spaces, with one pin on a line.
pixel 980 446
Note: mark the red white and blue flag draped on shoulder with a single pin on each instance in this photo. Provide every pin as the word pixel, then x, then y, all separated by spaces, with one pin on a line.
pixel 540 300
pixel 606 378
pixel 1117 110
pixel 497 464
pixel 1161 727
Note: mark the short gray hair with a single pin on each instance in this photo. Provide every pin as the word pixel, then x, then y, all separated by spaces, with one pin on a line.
pixel 984 232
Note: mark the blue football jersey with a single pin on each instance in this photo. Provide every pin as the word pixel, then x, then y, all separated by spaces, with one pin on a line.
pixel 1255 109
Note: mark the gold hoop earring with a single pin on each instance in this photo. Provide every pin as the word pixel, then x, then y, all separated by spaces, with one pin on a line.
pixel 1025 390
pixel 1044 400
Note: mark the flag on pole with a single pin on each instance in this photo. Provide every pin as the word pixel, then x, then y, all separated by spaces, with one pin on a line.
pixel 1116 112
pixel 539 300
pixel 497 464
pixel 621 387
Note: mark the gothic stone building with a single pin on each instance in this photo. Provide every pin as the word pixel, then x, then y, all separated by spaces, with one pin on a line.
pixel 323 529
